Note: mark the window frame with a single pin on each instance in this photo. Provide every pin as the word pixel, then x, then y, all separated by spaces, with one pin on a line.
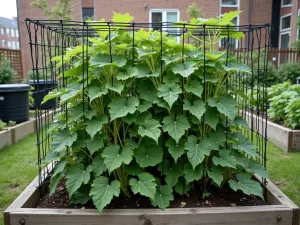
pixel 2 31
pixel 82 17
pixel 12 32
pixel 283 33
pixel 9 44
pixel 164 14
pixel 17 33
pixel 285 6
pixel 229 6
pixel 281 18
pixel 8 32
pixel 3 42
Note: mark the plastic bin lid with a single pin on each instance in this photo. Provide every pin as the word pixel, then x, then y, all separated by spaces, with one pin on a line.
pixel 40 82
pixel 14 87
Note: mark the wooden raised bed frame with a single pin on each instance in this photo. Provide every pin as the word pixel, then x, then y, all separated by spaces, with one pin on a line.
pixel 280 211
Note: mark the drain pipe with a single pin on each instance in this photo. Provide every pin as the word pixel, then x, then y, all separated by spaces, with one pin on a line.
pixel 249 11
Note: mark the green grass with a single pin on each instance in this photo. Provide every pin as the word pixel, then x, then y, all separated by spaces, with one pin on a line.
pixel 17 169
pixel 284 169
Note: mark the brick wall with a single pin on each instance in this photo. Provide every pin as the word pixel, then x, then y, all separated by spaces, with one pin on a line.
pixel 25 10
pixel 88 3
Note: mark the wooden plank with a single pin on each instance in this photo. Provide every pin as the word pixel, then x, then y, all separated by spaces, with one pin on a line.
pixel 266 215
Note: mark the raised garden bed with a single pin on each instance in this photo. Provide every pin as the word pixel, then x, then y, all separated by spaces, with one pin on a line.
pixel 13 134
pixel 279 211
pixel 283 137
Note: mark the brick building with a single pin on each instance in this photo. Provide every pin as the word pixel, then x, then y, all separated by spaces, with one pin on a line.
pixel 9 33
pixel 254 12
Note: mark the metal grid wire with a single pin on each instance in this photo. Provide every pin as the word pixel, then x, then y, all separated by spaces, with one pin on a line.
pixel 48 39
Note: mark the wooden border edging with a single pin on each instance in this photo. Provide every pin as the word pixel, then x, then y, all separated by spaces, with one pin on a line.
pixel 283 137
pixel 280 211
pixel 13 134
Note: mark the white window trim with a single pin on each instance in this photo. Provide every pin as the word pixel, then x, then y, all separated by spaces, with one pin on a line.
pixel 237 5
pixel 286 29
pixel 286 32
pixel 285 6
pixel 164 13
pixel 298 28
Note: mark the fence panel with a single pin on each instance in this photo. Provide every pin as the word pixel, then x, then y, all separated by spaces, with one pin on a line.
pixel 14 56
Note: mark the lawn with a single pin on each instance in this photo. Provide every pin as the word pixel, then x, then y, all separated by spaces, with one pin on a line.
pixel 18 168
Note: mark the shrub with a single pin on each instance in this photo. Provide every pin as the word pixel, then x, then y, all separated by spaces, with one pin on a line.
pixel 2 125
pixel 277 89
pixel 142 130
pixel 288 72
pixel 292 111
pixel 11 123
pixel 7 73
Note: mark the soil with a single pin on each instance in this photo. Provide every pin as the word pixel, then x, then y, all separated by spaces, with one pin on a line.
pixel 60 199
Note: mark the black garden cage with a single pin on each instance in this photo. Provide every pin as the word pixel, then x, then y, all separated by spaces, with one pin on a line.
pixel 206 57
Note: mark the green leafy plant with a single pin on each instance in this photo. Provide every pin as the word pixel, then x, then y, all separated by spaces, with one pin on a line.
pixel 11 123
pixel 149 128
pixel 292 111
pixel 194 12
pixel 288 72
pixel 2 125
pixel 7 73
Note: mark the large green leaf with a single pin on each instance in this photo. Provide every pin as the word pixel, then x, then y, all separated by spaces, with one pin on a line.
pixel 257 168
pixel 226 105
pixel 101 60
pixel 234 66
pixel 81 196
pixel 191 174
pixel 121 106
pixel 225 159
pixel 114 157
pixel 163 197
pixel 185 69
pixel 133 169
pixel 194 87
pixel 197 108
pixel 116 86
pixel 97 91
pixel 145 185
pixel 182 187
pixel 245 145
pixel 216 174
pixel 98 166
pixel 77 176
pixel 144 106
pixel 95 125
pixel 246 185
pixel 95 144
pixel 151 129
pixel 72 90
pixel 176 126
pixel 144 71
pixel 148 154
pixel 172 172
pixel 147 92
pixel 102 191
pixel 176 150
pixel 197 150
pixel 62 139
pixel 216 138
pixel 77 111
pixel 211 117
pixel 130 72
pixel 59 167
pixel 169 92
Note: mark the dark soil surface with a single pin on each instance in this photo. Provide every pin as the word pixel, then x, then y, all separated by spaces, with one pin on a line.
pixel 218 199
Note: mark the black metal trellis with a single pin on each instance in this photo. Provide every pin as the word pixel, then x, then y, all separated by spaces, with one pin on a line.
pixel 48 39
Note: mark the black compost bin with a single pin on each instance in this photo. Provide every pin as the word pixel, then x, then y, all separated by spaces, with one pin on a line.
pixel 41 89
pixel 14 102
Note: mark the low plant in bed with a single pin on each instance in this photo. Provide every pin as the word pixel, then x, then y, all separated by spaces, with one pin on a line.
pixel 151 117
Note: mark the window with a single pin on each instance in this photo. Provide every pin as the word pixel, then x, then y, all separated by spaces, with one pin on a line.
pixel 87 13
pixel 13 45
pixel 158 16
pixel 2 31
pixel 229 3
pixel 230 43
pixel 12 31
pixel 9 44
pixel 286 3
pixel 285 22
pixel 17 33
pixel 285 40
pixel 18 45
pixel 3 43
pixel 7 32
